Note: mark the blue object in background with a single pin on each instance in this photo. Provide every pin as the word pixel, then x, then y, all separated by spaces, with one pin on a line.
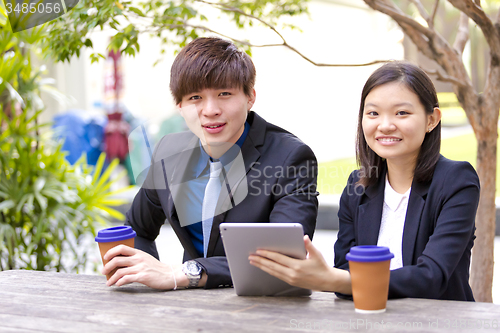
pixel 83 132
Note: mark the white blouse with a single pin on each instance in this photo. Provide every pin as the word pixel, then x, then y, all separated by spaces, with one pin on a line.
pixel 393 222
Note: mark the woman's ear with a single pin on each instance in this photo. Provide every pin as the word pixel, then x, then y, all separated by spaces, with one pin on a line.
pixel 433 119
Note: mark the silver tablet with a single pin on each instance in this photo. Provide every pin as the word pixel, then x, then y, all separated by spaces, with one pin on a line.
pixel 242 239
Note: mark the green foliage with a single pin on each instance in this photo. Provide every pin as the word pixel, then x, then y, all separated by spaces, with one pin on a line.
pixel 47 206
pixel 174 22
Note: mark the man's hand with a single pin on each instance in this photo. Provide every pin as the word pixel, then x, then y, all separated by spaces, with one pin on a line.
pixel 138 266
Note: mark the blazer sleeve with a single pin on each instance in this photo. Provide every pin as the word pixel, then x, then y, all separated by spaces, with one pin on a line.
pixel 453 231
pixel 297 202
pixel 146 214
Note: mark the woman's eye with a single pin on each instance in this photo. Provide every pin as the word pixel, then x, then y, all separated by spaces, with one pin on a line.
pixel 372 113
pixel 402 113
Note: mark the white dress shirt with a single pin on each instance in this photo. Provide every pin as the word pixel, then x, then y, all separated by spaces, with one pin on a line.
pixel 393 222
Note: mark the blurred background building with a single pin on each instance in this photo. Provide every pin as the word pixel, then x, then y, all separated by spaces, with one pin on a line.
pixel 291 92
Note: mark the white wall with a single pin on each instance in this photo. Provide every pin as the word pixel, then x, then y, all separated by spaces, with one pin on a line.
pixel 318 104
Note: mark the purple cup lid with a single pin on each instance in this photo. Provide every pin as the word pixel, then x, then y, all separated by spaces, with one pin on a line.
pixel 115 234
pixel 369 253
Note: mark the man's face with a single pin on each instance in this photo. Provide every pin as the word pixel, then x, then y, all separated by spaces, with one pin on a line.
pixel 216 116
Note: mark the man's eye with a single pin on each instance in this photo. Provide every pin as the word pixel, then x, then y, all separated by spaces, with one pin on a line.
pixel 225 93
pixel 194 97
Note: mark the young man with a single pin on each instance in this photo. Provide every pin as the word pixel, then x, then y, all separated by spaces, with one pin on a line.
pixel 232 166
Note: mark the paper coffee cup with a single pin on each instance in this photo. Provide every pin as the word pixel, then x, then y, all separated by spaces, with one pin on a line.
pixel 370 273
pixel 111 237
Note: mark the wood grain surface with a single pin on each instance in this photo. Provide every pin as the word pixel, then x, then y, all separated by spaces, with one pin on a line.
pixel 32 301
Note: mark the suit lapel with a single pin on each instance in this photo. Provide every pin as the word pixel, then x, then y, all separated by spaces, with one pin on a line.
pixel 224 199
pixel 414 211
pixel 370 214
pixel 250 155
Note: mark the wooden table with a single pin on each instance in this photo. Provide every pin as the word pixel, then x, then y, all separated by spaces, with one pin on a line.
pixel 33 301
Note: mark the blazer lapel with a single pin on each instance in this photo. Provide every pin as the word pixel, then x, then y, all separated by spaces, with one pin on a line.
pixel 414 211
pixel 370 214
pixel 250 155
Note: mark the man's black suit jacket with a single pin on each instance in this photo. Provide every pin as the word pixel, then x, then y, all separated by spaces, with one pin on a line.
pixel 281 173
pixel 438 234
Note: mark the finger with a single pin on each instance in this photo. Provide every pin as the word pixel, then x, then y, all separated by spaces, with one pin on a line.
pixel 120 274
pixel 264 265
pixel 280 272
pixel 277 257
pixel 310 248
pixel 116 262
pixel 128 279
pixel 272 267
pixel 121 249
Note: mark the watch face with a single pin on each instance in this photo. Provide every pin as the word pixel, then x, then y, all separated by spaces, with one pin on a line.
pixel 193 268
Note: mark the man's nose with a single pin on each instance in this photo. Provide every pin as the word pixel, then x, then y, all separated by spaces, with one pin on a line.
pixel 211 107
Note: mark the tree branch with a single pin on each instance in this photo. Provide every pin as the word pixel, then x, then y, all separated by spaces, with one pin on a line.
pixel 183 24
pixel 391 10
pixel 421 10
pixel 444 77
pixel 228 8
pixel 476 13
pixel 432 45
pixel 462 34
pixel 285 44
pixel 420 41
pixel 433 16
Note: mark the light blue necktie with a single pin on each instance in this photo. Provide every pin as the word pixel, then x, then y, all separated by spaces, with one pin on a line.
pixel 212 192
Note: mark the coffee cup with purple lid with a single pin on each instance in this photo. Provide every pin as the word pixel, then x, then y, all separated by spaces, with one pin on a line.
pixel 110 237
pixel 369 266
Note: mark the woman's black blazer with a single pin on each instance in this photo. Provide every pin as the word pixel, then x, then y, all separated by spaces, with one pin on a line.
pixel 438 234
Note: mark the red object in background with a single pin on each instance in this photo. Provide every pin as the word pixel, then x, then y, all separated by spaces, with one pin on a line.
pixel 117 129
pixel 116 133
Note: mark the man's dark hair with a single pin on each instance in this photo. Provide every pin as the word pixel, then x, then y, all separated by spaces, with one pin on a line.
pixel 418 82
pixel 212 63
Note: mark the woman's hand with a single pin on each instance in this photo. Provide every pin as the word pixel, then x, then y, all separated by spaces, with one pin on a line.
pixel 311 273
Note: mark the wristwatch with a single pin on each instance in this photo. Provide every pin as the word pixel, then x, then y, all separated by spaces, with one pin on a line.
pixel 193 271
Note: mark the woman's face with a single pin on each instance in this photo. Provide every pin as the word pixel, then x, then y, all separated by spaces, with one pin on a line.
pixel 394 122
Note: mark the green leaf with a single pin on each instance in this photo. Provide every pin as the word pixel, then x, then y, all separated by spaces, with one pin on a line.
pixel 98 167
pixel 137 11
pixel 42 201
pixel 39 184
pixel 6 205
pixel 112 212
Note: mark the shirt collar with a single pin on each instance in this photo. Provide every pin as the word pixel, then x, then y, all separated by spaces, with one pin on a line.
pixel 228 156
pixel 392 198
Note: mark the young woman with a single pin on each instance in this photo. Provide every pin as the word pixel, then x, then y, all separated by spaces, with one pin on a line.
pixel 405 196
